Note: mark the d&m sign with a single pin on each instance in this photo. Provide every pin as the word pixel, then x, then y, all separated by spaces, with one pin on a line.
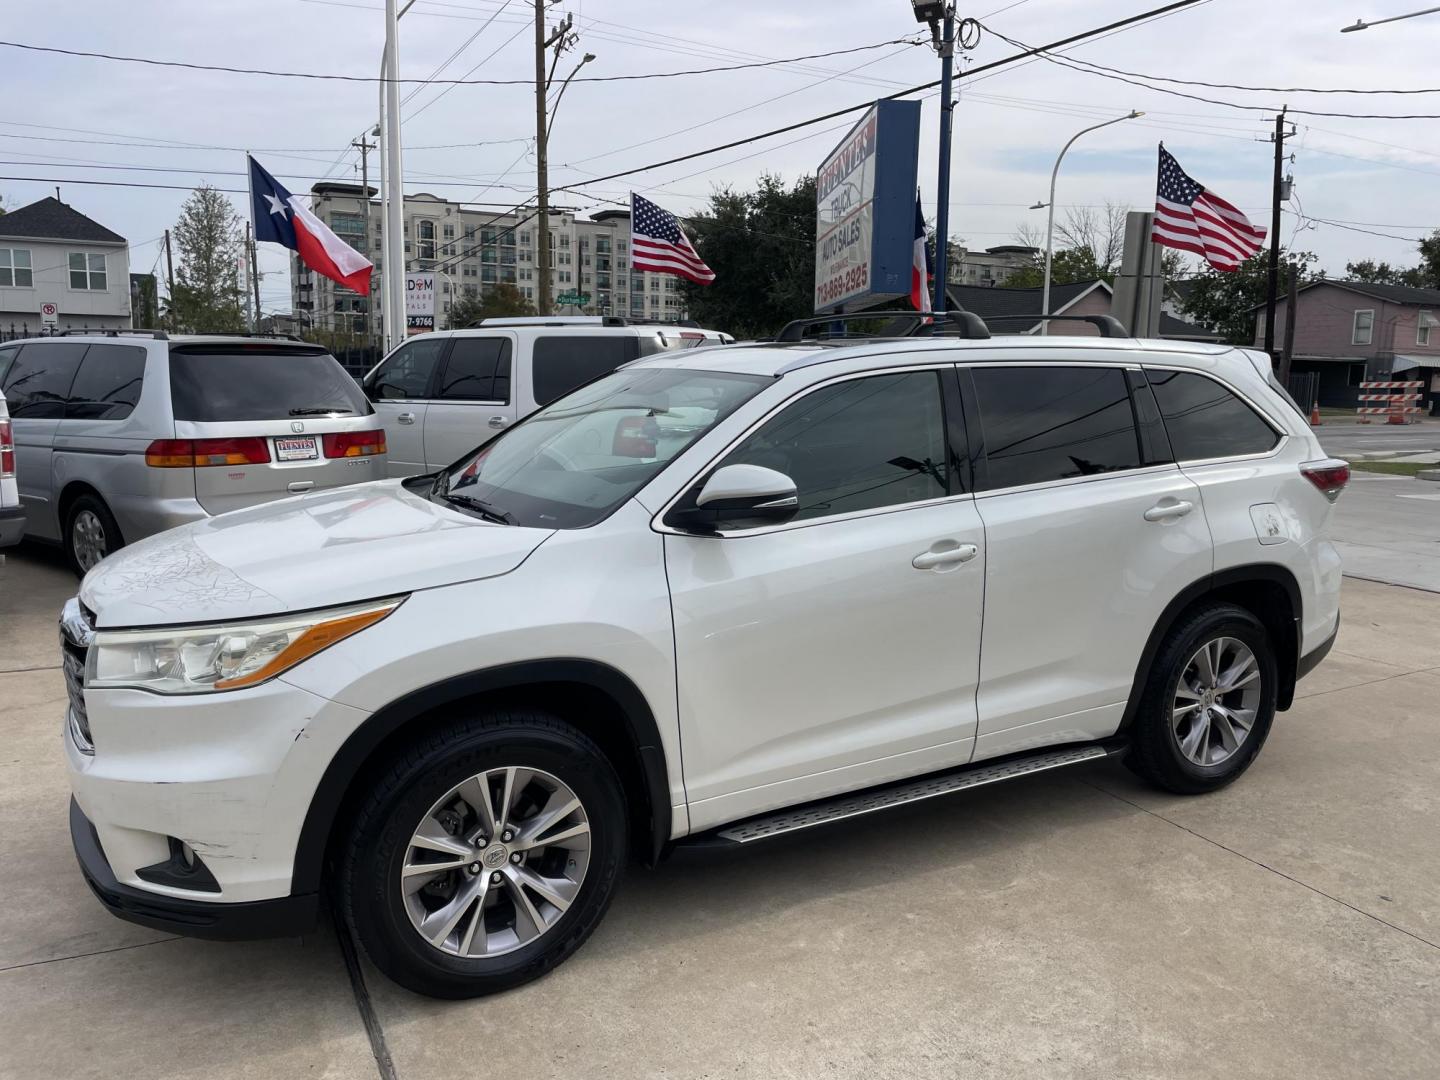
pixel 419 303
pixel 865 209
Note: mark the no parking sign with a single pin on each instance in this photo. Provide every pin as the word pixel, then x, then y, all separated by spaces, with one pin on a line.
pixel 49 313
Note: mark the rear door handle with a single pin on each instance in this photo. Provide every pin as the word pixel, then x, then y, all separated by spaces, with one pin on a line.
pixel 497 421
pixel 951 556
pixel 406 417
pixel 1166 511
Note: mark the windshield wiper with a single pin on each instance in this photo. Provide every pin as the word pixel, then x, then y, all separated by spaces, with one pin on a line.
pixel 483 508
pixel 321 411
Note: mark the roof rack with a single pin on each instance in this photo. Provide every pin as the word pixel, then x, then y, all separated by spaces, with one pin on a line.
pixel 576 320
pixel 1108 325
pixel 966 323
pixel 158 335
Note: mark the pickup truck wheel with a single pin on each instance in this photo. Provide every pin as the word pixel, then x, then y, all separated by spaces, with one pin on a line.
pixel 90 533
pixel 1208 704
pixel 485 856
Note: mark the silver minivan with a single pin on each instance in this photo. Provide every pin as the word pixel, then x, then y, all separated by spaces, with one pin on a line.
pixel 119 436
pixel 440 395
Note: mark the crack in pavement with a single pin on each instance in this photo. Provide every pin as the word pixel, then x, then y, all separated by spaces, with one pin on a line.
pixel 1261 865
pixel 81 956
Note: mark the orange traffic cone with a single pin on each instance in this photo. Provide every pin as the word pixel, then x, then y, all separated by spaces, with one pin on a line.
pixel 1315 415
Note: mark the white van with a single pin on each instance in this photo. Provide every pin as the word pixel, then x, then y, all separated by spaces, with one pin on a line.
pixel 12 514
pixel 441 395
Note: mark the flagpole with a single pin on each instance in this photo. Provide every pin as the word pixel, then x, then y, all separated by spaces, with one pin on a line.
pixel 250 247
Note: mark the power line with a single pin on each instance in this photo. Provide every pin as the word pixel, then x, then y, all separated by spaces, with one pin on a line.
pixel 421 83
pixel 159 143
pixel 1083 35
pixel 449 59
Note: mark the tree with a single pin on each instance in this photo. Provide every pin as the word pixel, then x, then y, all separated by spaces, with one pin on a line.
pixel 761 245
pixel 1090 244
pixel 1067 266
pixel 1383 273
pixel 208 297
pixel 1226 300
pixel 145 308
pixel 499 301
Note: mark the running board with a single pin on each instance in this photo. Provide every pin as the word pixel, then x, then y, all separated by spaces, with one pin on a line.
pixel 847 806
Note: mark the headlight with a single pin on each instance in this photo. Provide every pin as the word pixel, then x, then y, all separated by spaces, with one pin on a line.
pixel 204 659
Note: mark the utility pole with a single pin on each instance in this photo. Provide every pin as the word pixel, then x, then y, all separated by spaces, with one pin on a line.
pixel 254 276
pixel 558 38
pixel 1290 302
pixel 365 148
pixel 946 45
pixel 170 280
pixel 1273 287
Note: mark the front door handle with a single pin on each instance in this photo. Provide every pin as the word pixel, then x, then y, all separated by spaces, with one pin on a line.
pixel 1169 510
pixel 944 558
pixel 406 418
pixel 497 421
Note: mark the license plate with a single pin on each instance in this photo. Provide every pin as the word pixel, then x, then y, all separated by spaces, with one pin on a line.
pixel 301 449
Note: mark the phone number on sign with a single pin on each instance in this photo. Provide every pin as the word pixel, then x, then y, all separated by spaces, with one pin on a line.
pixel 852 280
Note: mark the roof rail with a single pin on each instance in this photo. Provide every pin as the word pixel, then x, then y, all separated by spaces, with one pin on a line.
pixel 1108 325
pixel 158 335
pixel 966 323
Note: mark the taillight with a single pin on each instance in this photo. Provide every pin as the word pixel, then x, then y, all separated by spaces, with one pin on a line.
pixel 201 453
pixel 1330 476
pixel 635 436
pixel 7 451
pixel 353 443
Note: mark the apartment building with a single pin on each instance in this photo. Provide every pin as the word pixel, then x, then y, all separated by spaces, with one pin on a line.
pixel 992 266
pixel 473 249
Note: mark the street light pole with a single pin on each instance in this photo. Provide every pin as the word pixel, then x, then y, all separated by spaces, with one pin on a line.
pixel 1050 217
pixel 1361 24
pixel 942 183
pixel 394 183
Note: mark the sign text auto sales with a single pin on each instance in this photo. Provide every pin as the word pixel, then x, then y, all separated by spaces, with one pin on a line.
pixel 845 224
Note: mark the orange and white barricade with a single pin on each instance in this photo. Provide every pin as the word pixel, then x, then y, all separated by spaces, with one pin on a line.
pixel 1398 404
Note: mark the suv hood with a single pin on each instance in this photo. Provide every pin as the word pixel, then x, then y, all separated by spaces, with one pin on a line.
pixel 331 547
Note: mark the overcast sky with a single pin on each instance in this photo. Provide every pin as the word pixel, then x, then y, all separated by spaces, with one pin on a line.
pixel 62 115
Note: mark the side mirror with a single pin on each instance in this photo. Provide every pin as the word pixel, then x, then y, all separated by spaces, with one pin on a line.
pixel 740 494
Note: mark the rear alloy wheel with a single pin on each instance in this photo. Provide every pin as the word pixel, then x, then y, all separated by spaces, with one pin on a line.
pixel 1208 702
pixel 485 854
pixel 90 533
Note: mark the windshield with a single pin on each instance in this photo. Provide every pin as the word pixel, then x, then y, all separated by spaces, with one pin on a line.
pixel 259 382
pixel 573 462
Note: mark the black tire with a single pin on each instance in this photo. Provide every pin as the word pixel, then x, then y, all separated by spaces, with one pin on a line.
pixel 371 861
pixel 1155 752
pixel 90 505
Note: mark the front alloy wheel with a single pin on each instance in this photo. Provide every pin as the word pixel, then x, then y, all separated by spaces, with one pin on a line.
pixel 496 862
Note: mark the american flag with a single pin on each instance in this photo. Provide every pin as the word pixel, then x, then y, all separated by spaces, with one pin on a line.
pixel 1192 219
pixel 658 243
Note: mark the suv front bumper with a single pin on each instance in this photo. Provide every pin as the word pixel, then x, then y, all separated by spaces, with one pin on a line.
pixel 283 917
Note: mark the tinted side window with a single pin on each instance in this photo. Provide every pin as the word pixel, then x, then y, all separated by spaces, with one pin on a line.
pixel 1052 423
pixel 259 382
pixel 407 373
pixel 857 445
pixel 561 364
pixel 1205 420
pixel 38 382
pixel 107 386
pixel 6 357
pixel 478 370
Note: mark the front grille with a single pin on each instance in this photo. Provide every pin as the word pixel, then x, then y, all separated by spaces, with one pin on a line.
pixel 76 632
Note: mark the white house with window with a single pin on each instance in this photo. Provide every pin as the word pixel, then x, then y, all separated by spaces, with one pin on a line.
pixel 51 253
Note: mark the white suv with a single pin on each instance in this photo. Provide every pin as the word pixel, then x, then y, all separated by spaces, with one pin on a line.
pixel 715 596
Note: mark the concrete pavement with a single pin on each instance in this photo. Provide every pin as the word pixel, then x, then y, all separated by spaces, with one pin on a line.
pixel 1074 925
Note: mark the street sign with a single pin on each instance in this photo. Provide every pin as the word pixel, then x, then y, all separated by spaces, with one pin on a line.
pixel 49 313
pixel 573 299
pixel 419 303
pixel 865 209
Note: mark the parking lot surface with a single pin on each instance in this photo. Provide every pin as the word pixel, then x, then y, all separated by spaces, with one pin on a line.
pixel 1070 925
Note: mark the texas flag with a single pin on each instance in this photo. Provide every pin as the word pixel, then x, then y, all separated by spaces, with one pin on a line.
pixel 920 272
pixel 281 218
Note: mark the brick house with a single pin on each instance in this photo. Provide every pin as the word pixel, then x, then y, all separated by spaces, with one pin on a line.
pixel 1348 332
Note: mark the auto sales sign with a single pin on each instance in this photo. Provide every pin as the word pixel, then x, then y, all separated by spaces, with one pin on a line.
pixel 865 209
pixel 419 303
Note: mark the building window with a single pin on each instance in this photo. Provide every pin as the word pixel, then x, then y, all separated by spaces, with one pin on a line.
pixel 524 236
pixel 425 236
pixel 1363 328
pixel 1423 325
pixel 449 232
pixel 15 270
pixel 87 271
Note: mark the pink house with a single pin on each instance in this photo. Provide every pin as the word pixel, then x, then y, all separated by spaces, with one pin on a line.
pixel 1347 332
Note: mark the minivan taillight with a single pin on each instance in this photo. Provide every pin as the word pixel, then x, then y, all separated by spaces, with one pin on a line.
pixel 7 451
pixel 201 453
pixel 353 443
pixel 1330 476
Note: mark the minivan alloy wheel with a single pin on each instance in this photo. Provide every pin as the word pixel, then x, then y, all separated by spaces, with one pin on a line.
pixel 495 862
pixel 1216 701
pixel 87 539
